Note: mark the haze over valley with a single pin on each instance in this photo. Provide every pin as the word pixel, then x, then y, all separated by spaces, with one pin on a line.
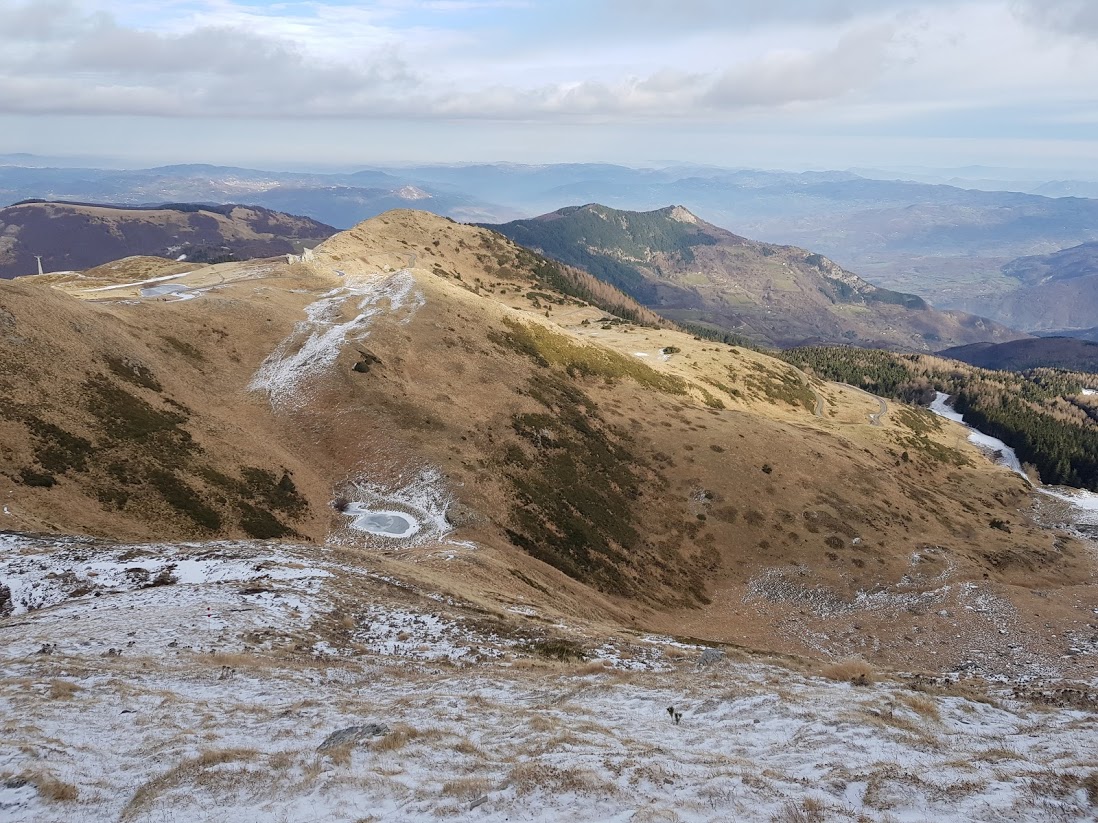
pixel 503 411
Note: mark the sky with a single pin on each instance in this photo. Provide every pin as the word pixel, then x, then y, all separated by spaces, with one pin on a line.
pixel 757 83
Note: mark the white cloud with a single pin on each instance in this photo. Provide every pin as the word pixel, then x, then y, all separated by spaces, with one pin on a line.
pixel 671 65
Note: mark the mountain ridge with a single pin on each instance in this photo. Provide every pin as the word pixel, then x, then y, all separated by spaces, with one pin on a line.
pixel 692 271
pixel 72 236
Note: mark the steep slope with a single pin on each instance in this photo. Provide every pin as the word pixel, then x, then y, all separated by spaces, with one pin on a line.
pixel 73 236
pixel 420 390
pixel 1054 291
pixel 1069 353
pixel 694 272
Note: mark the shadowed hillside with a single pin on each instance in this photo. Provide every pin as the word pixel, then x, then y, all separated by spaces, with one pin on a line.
pixel 72 236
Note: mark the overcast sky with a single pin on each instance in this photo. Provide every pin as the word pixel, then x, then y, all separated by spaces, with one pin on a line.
pixel 764 83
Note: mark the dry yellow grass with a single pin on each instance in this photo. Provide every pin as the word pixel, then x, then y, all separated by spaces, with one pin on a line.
pixel 52 789
pixel 190 770
pixel 924 706
pixel 854 670
pixel 528 778
pixel 63 689
pixel 467 788
pixel 401 735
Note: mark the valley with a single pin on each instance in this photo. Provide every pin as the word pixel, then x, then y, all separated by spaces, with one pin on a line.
pixel 423 482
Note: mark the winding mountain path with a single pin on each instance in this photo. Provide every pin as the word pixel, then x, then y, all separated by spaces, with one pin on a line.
pixel 875 417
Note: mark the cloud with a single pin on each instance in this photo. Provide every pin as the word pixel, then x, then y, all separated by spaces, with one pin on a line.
pixel 793 77
pixel 692 13
pixel 694 60
pixel 83 63
pixel 1073 17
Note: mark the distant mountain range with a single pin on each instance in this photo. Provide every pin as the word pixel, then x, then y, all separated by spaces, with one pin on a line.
pixel 75 236
pixel 946 243
pixel 1054 291
pixel 1037 352
pixel 695 273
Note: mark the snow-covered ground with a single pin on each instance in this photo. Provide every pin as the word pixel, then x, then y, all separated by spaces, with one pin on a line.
pixel 289 374
pixel 207 685
pixel 1004 454
pixel 1083 503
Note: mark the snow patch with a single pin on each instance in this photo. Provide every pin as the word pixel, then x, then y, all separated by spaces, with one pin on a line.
pixel 290 374
pixel 1002 453
pixel 137 283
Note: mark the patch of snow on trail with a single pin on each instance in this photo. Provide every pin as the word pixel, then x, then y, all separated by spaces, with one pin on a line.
pixel 316 342
pixel 1004 454
pixel 137 283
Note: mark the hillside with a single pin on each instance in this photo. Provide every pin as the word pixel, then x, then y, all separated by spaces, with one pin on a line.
pixel 1052 292
pixel 1070 353
pixel 444 528
pixel 696 273
pixel 416 382
pixel 1048 416
pixel 73 236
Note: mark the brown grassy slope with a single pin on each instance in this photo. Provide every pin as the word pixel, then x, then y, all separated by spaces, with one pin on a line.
pixel 667 482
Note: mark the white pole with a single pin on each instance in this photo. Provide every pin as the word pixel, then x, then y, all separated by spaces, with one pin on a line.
pixel 38 257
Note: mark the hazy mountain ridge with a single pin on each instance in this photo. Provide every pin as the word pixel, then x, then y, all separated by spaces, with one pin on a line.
pixel 692 271
pixel 1054 292
pixel 72 236
pixel 1068 353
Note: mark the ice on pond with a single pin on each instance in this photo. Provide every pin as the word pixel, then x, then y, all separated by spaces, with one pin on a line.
pixel 382 523
pixel 165 290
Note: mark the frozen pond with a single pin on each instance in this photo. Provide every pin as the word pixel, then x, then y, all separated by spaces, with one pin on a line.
pixel 1004 454
pixel 165 290
pixel 381 523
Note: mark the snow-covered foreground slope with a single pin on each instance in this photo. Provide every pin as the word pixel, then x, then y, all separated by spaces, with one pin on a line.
pixel 207 685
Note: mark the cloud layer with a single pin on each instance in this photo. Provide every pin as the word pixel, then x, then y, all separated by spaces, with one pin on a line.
pixel 452 58
pixel 941 69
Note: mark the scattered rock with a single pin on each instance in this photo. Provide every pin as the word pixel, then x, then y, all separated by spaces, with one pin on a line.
pixel 480 801
pixel 458 514
pixel 352 736
pixel 48 648
pixel 709 657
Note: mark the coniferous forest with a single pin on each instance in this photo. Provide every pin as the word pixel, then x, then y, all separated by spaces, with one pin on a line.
pixel 1041 413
